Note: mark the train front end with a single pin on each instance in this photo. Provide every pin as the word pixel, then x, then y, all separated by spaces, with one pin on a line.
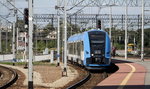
pixel 99 52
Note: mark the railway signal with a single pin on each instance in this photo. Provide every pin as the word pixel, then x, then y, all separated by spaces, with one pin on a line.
pixel 99 24
pixel 26 15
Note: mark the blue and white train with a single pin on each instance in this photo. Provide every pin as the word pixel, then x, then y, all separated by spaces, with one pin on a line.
pixel 90 49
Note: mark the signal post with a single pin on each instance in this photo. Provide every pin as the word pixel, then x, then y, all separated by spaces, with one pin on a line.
pixel 30 69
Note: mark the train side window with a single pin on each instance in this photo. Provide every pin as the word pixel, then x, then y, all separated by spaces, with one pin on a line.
pixel 68 47
pixel 71 48
pixel 78 48
pixel 75 49
pixel 82 46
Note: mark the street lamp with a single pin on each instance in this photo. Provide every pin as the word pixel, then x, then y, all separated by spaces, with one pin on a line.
pixel 0 37
pixel 126 28
pixel 58 32
pixel 142 44
pixel 65 36
pixel 110 20
pixel 110 17
pixel 30 70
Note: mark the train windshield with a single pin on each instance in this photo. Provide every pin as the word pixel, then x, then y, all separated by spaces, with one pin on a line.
pixel 97 45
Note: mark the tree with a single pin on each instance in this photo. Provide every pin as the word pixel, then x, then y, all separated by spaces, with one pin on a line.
pixel 41 46
pixel 146 37
pixel 49 28
pixel 20 25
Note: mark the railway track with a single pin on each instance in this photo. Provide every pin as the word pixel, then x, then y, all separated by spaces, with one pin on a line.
pixel 81 82
pixel 91 78
pixel 95 78
pixel 7 77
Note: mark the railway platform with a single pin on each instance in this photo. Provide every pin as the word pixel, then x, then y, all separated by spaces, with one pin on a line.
pixel 132 74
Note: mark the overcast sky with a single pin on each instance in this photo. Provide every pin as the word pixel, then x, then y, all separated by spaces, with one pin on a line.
pixel 48 7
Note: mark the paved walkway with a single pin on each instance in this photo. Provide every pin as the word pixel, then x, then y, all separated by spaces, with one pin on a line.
pixel 132 74
pixel 146 64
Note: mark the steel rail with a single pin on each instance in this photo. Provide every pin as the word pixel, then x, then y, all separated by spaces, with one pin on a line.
pixel 81 82
pixel 13 79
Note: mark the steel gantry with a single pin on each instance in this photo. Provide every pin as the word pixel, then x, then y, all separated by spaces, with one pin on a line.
pixel 97 3
pixel 134 20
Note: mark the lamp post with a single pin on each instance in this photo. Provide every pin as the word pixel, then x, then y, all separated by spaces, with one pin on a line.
pixel 13 40
pixel 110 20
pixel 0 40
pixel 58 35
pixel 142 42
pixel 30 70
pixel 65 38
pixel 126 28
pixel 6 39
pixel 110 23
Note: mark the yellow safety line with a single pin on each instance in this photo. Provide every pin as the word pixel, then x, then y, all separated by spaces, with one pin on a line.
pixel 124 82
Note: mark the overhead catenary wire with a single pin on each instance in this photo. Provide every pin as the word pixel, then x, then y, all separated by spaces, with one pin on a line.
pixel 15 7
pixel 75 5
pixel 5 5
pixel 5 19
pixel 81 9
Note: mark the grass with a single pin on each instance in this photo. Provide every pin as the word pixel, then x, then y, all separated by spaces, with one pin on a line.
pixel 23 63
pixel 11 63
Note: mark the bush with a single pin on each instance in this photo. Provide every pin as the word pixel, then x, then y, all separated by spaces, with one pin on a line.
pixel 119 46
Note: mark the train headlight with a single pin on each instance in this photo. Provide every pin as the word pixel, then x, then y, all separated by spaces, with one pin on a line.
pixel 92 54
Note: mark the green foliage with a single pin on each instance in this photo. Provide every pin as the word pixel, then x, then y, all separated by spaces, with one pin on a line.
pixel 4 46
pixel 11 63
pixel 40 46
pixel 20 25
pixel 119 46
pixel 48 28
pixel 44 63
pixel 23 63
pixel 147 37
pixel 51 44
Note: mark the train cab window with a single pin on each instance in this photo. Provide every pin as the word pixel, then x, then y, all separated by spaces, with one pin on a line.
pixel 97 43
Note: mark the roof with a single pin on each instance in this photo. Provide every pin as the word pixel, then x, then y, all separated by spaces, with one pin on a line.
pixel 76 37
pixel 79 37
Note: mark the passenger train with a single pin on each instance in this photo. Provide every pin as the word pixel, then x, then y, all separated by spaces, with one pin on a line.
pixel 90 49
